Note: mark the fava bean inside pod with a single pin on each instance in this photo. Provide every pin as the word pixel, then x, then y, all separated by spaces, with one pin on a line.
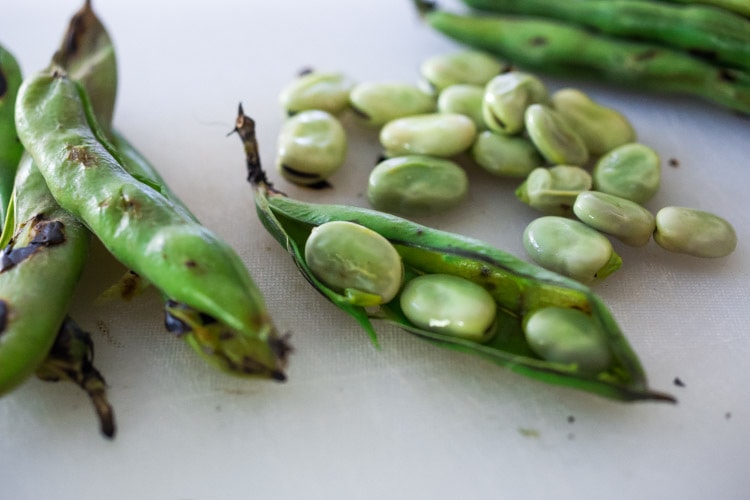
pixel 355 261
pixel 416 185
pixel 311 147
pixel 451 305
pixel 567 336
pixel 570 248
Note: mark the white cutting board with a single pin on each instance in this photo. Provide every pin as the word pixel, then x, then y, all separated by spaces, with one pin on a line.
pixel 410 420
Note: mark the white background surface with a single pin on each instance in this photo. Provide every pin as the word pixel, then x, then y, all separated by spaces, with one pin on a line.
pixel 410 420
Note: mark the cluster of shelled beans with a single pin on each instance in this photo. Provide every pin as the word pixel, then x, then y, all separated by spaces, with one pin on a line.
pixel 578 161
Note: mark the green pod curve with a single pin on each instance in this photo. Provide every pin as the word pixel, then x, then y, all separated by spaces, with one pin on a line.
pixel 11 148
pixel 144 231
pixel 516 286
pixel 38 272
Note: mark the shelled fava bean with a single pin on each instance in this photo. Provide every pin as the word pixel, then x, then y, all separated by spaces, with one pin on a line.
pixel 577 158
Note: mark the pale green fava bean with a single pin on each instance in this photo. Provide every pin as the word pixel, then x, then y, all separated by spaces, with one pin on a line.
pixel 506 98
pixel 434 134
pixel 466 66
pixel 568 336
pixel 631 171
pixel 380 102
pixel 554 190
pixel 311 147
pixel 356 261
pixel 554 137
pixel 601 128
pixel 505 155
pixel 327 91
pixel 416 185
pixel 451 305
pixel 571 248
pixel 626 220
pixel 694 232
pixel 464 99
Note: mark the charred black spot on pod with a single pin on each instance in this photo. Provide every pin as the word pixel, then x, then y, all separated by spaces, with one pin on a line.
pixel 207 319
pixel 3 316
pixel 3 84
pixel 49 233
pixel 281 347
pixel 538 41
pixel 727 75
pixel 191 264
pixel 172 323
pixel 46 233
pixel 130 285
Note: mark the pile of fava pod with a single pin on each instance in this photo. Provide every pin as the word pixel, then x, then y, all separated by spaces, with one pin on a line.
pixel 53 202
pixel 453 291
pixel 576 161
pixel 698 48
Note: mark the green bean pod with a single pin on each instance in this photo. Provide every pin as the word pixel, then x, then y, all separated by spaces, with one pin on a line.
pixel 42 242
pixel 517 287
pixel 39 269
pixel 11 148
pixel 143 229
pixel 715 34
pixel 553 47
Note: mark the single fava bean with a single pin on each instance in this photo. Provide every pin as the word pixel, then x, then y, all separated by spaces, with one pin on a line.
pixel 567 336
pixel 554 190
pixel 694 232
pixel 464 99
pixel 631 171
pixel 380 102
pixel 416 185
pixel 434 134
pixel 601 128
pixel 451 305
pixel 626 220
pixel 505 155
pixel 466 66
pixel 571 248
pixel 311 147
pixel 326 91
pixel 506 98
pixel 554 137
pixel 355 261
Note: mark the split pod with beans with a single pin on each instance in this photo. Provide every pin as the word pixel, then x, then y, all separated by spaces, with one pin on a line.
pixel 513 313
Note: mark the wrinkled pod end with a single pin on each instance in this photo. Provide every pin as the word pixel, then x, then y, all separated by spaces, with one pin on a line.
pixel 262 354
